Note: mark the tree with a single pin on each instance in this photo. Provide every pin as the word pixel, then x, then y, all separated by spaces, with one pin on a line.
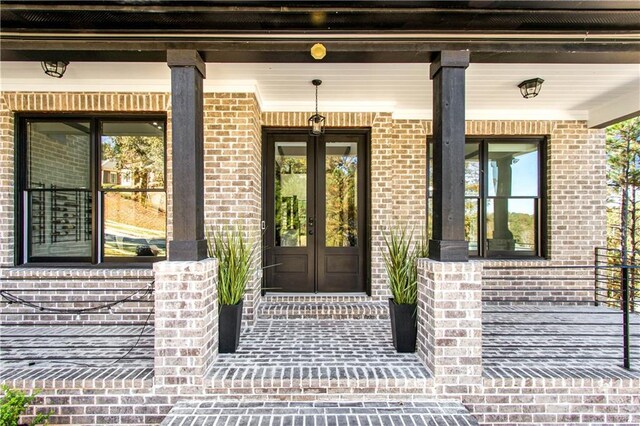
pixel 623 174
pixel 140 156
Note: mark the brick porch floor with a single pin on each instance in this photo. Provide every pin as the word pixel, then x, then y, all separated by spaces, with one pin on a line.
pixel 519 341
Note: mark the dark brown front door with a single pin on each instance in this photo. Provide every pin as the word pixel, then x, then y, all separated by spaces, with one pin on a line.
pixel 315 211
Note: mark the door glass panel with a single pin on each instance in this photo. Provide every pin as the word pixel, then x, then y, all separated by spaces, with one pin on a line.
pixel 513 169
pixel 472 169
pixel 511 225
pixel 341 177
pixel 291 194
pixel 471 224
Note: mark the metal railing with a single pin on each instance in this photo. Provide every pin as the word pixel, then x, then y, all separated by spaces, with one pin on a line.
pixel 616 286
pixel 554 315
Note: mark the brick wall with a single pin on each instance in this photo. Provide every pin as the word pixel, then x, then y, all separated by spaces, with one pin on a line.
pixel 12 102
pixel 233 174
pixel 398 176
pixel 66 288
pixel 519 401
pixel 85 287
pixel 7 156
pixel 501 401
pixel 449 340
pixel 186 329
pixel 398 185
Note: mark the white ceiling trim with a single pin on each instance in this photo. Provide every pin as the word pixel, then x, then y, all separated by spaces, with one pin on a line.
pixel 596 92
pixel 498 114
pixel 328 106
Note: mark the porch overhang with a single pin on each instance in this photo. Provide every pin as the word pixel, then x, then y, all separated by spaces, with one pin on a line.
pixel 371 31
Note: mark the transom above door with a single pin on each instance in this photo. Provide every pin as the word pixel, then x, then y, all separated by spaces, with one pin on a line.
pixel 315 211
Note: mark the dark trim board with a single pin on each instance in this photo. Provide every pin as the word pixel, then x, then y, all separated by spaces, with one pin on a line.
pixel 372 49
pixel 319 282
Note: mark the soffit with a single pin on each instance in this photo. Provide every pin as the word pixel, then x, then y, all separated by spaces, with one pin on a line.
pixel 569 90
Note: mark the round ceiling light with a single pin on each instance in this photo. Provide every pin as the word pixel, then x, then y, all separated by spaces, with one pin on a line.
pixel 318 51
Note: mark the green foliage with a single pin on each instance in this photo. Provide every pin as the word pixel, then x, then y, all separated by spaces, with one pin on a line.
pixel 341 201
pixel 400 261
pixel 14 403
pixel 142 156
pixel 236 257
pixel 623 175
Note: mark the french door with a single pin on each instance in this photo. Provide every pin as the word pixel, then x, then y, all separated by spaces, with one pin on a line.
pixel 315 212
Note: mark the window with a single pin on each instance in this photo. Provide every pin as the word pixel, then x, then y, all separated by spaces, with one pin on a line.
pixel 93 189
pixel 503 196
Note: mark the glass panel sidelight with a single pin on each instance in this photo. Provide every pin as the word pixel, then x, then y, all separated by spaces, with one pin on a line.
pixel 471 209
pixel 472 169
pixel 341 177
pixel 291 194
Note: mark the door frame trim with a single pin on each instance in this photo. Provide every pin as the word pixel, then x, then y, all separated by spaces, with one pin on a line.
pixel 266 130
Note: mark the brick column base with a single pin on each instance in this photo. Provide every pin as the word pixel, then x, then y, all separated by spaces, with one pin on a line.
pixel 186 324
pixel 450 324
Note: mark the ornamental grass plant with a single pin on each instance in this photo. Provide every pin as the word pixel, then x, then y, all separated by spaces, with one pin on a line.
pixel 400 261
pixel 236 257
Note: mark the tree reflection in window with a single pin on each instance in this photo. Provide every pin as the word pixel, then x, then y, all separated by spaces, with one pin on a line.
pixel 341 194
pixel 291 194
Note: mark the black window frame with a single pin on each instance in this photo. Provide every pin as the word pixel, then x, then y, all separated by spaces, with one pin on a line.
pixel 540 206
pixel 22 223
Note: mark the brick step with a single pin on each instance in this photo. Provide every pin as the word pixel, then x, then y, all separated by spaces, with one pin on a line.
pixel 303 356
pixel 323 310
pixel 317 413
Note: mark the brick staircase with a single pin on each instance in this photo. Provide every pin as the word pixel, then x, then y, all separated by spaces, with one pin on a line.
pixel 230 413
pixel 319 361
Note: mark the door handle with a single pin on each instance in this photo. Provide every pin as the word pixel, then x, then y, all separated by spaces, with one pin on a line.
pixel 310 222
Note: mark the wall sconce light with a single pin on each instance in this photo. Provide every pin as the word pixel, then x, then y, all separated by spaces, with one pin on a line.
pixel 531 88
pixel 54 68
pixel 318 51
pixel 316 121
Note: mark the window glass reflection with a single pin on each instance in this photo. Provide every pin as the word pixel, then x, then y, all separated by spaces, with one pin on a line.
pixel 291 194
pixel 59 201
pixel 511 225
pixel 132 155
pixel 471 224
pixel 513 169
pixel 472 169
pixel 58 154
pixel 135 224
pixel 341 178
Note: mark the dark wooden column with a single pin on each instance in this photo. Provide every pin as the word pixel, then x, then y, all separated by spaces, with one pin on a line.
pixel 187 117
pixel 448 242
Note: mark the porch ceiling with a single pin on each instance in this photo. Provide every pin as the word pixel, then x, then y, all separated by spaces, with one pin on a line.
pixel 570 91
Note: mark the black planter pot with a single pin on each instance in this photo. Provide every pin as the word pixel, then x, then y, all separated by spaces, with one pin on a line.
pixel 229 324
pixel 404 327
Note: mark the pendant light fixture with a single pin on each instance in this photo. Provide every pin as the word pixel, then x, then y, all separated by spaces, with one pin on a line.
pixel 316 121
